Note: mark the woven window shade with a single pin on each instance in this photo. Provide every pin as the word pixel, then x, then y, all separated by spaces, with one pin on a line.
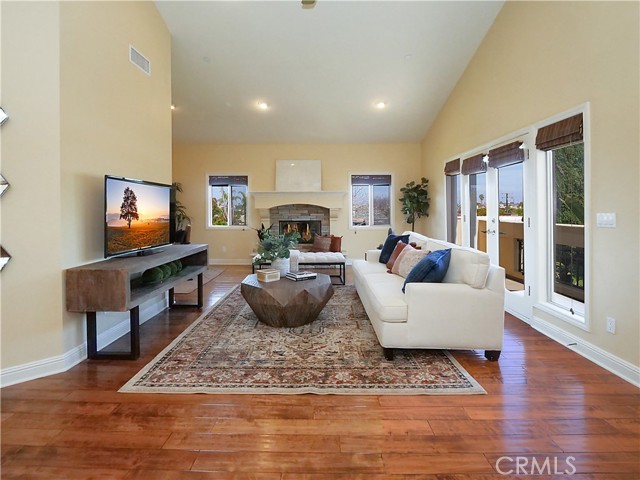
pixel 474 165
pixel 452 167
pixel 560 134
pixel 506 155
pixel 224 180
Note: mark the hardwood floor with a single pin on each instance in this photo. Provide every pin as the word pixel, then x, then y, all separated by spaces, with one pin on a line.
pixel 544 402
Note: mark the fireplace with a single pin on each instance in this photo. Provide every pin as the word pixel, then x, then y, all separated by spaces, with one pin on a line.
pixel 307 220
pixel 306 228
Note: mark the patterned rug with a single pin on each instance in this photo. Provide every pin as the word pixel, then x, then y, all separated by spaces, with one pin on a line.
pixel 227 350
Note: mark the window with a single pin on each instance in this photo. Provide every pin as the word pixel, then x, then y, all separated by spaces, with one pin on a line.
pixel 567 232
pixel 227 200
pixel 476 167
pixel 370 200
pixel 454 201
pixel 566 273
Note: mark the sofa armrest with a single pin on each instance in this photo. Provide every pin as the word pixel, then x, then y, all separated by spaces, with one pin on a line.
pixel 455 315
pixel 373 256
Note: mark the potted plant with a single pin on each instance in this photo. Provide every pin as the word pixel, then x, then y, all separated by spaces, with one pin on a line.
pixel 415 201
pixel 263 231
pixel 183 221
pixel 274 249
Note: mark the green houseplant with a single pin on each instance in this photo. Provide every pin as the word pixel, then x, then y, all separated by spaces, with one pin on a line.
pixel 182 218
pixel 272 247
pixel 415 201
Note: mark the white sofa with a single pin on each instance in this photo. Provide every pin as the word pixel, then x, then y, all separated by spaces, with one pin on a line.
pixel 465 311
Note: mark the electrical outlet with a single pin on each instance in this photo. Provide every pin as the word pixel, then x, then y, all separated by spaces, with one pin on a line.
pixel 611 325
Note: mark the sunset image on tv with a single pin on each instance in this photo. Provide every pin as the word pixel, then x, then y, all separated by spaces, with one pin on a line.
pixel 137 215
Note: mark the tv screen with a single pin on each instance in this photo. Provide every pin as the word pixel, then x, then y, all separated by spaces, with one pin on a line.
pixel 137 215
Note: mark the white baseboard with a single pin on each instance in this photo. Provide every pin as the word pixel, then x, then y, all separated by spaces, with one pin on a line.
pixel 623 369
pixel 62 363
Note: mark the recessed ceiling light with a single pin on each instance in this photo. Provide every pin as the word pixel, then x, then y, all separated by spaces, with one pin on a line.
pixel 381 105
pixel 408 56
pixel 263 105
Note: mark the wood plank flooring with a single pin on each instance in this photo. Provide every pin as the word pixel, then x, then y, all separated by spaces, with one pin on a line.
pixel 544 402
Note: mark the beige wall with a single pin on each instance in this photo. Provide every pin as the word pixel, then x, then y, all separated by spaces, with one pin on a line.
pixel 79 110
pixel 32 297
pixel 539 59
pixel 192 163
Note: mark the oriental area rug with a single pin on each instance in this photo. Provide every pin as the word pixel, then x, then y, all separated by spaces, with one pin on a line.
pixel 227 350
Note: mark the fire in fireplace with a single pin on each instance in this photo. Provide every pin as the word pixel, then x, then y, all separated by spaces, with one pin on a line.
pixel 306 228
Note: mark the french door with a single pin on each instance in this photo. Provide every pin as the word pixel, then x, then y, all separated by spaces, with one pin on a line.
pixel 498 222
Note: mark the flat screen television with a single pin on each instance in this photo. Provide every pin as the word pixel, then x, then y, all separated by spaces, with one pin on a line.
pixel 138 216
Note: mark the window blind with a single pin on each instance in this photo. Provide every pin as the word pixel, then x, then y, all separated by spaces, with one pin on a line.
pixel 474 165
pixel 370 179
pixel 506 155
pixel 560 134
pixel 224 180
pixel 452 167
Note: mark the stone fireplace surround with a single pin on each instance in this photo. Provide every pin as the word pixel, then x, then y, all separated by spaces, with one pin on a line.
pixel 299 213
pixel 329 203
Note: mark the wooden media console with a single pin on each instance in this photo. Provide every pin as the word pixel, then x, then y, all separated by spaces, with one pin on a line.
pixel 115 285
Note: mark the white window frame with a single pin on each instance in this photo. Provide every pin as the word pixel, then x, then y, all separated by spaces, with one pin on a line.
pixel 208 197
pixel 371 226
pixel 548 301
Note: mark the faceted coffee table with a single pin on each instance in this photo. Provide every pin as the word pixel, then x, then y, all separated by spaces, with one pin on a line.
pixel 286 303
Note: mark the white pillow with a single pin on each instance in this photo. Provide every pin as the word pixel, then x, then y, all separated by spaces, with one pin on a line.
pixel 409 260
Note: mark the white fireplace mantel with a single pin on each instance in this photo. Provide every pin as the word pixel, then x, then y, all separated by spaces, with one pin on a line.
pixel 263 201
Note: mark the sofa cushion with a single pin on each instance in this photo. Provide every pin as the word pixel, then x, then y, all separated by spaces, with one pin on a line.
pixel 431 269
pixel 409 260
pixel 396 265
pixel 385 294
pixel 389 244
pixel 467 265
pixel 394 255
pixel 336 244
pixel 321 244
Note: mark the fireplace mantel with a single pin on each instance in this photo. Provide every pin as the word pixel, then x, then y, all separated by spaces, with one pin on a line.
pixel 263 201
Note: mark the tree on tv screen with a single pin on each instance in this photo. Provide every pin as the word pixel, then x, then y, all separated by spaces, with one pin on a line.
pixel 129 207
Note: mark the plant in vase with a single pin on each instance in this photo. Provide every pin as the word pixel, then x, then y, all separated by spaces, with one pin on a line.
pixel 274 249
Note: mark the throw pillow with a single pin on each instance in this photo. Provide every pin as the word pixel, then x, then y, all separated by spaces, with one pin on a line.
pixel 390 244
pixel 321 244
pixel 410 260
pixel 394 255
pixel 431 268
pixel 396 264
pixel 336 244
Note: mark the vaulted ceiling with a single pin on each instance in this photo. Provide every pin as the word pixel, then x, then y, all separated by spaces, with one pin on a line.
pixel 321 72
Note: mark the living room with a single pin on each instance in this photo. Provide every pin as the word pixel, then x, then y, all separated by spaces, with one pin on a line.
pixel 79 110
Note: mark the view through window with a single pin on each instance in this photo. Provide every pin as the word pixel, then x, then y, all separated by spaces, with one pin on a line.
pixel 370 200
pixel 228 200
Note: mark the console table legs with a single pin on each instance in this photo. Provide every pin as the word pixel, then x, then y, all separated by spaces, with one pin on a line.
pixel 134 319
pixel 200 302
pixel 92 338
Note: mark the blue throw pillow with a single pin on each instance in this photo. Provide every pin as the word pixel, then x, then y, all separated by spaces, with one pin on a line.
pixel 431 268
pixel 389 245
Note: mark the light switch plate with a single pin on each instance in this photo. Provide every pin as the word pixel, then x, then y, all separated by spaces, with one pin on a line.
pixel 606 220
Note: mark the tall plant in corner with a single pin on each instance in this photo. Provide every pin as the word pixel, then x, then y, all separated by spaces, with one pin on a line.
pixel 182 219
pixel 415 201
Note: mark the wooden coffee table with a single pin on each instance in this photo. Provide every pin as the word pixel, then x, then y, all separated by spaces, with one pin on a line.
pixel 286 303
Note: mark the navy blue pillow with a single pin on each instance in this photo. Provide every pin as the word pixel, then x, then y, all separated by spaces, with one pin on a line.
pixel 431 268
pixel 390 244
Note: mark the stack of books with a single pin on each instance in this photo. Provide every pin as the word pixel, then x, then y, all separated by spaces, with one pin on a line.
pixel 297 276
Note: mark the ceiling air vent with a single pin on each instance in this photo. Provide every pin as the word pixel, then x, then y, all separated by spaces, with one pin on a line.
pixel 139 60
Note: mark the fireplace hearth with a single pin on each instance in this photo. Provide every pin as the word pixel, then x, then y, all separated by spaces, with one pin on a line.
pixel 306 228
